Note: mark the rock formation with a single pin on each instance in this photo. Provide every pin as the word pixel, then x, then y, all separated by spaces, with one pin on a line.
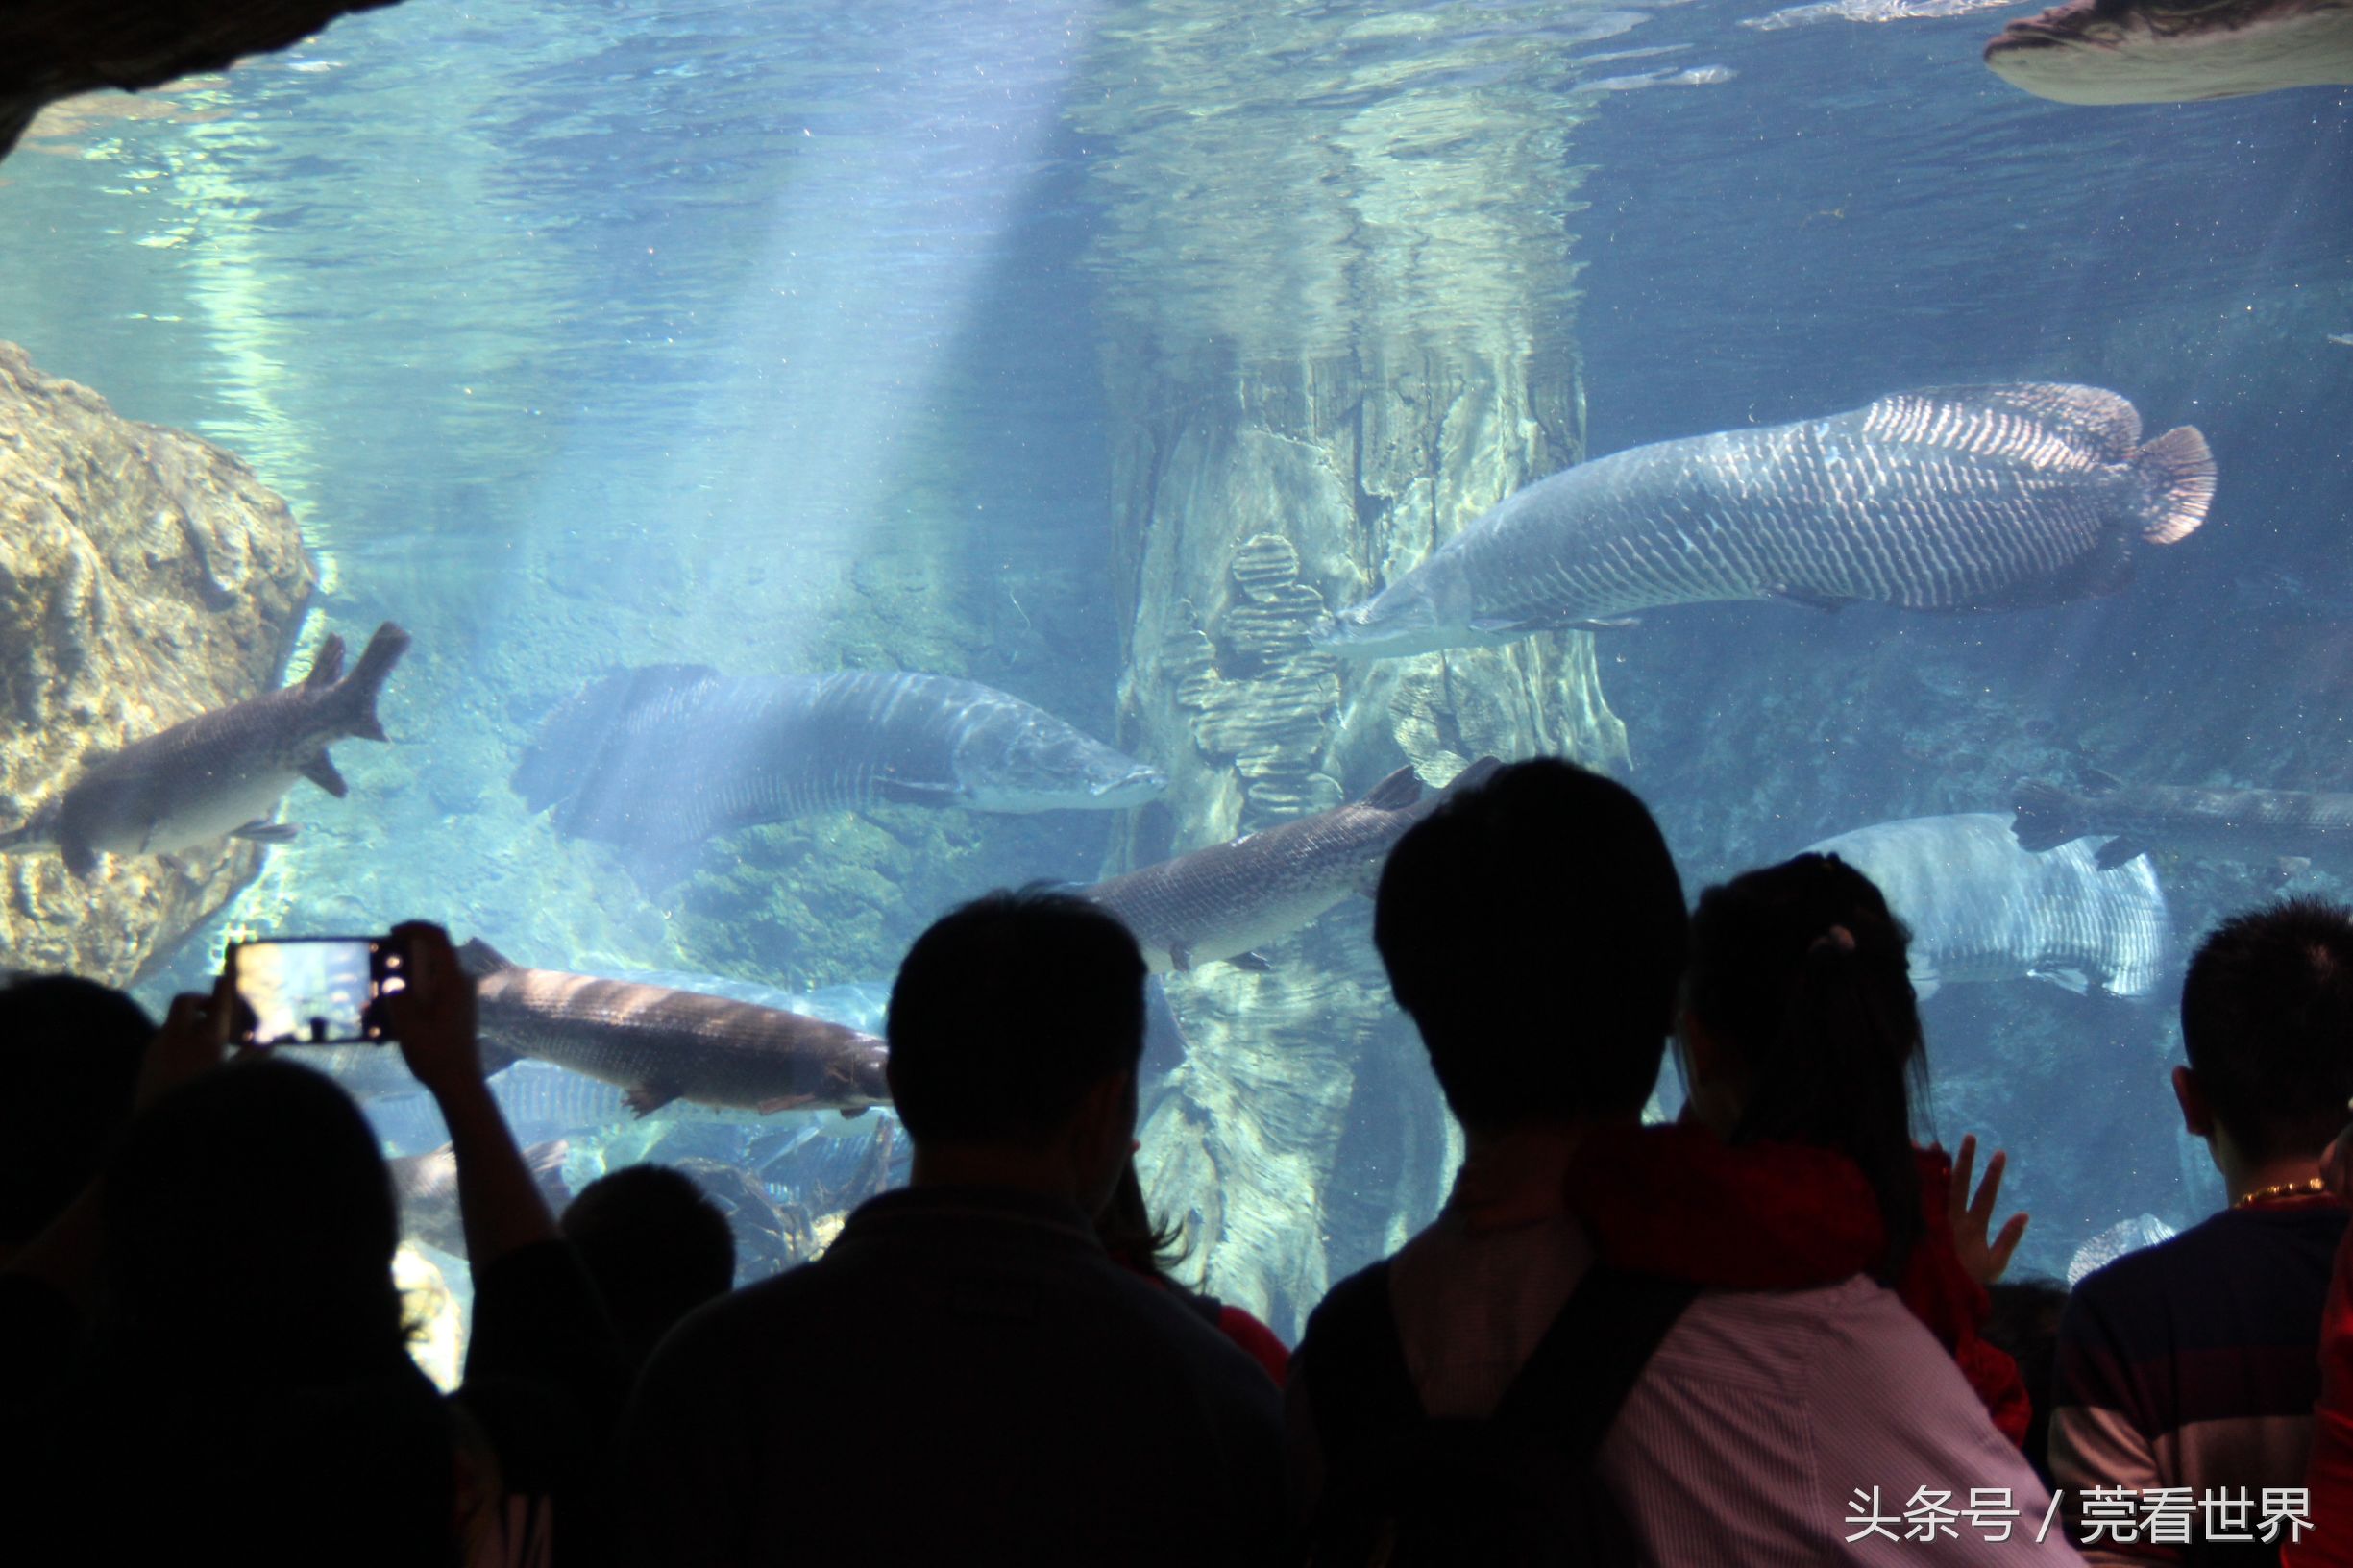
pixel 1336 295
pixel 145 576
pixel 52 49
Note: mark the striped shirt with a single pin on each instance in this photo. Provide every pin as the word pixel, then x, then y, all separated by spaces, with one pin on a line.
pixel 2195 1364
pixel 1768 1429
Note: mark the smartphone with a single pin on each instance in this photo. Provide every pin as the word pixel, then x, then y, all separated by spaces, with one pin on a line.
pixel 315 990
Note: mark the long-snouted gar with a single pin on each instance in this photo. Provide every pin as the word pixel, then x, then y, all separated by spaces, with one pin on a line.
pixel 2240 824
pixel 1231 898
pixel 220 773
pixel 659 758
pixel 1981 908
pixel 1945 499
pixel 660 1045
pixel 2174 51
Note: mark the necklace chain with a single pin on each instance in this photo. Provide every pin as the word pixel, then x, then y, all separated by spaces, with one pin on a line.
pixel 2310 1186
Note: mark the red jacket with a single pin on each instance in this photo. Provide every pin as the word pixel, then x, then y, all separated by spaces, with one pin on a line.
pixel 2329 1474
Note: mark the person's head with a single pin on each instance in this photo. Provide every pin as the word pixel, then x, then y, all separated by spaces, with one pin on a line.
pixel 1015 1028
pixel 2267 1019
pixel 656 1247
pixel 72 1050
pixel 1800 1025
pixel 1533 929
pixel 250 1224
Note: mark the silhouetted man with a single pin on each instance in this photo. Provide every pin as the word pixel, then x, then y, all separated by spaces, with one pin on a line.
pixel 965 1375
pixel 1534 929
pixel 2187 1371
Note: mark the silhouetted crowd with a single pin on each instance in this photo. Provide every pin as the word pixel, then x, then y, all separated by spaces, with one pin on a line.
pixel 1771 1333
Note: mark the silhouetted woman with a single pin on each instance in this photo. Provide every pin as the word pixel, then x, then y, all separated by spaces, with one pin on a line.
pixel 1801 1047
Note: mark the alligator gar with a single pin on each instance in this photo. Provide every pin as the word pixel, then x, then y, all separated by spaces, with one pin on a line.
pixel 659 758
pixel 1945 499
pixel 220 773
pixel 2174 51
pixel 660 1044
pixel 2231 823
pixel 1229 899
pixel 1981 908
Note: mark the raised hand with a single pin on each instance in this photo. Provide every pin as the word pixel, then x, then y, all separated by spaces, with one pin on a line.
pixel 432 1013
pixel 1983 1253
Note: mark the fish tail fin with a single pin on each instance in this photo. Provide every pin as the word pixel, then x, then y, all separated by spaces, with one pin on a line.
pixel 327 668
pixel 2047 815
pixel 357 693
pixel 2179 468
pixel 572 739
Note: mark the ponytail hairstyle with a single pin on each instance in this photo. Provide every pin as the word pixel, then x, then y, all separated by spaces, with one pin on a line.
pixel 1800 970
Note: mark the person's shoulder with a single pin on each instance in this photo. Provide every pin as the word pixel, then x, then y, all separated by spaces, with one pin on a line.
pixel 2209 1251
pixel 754 1313
pixel 1175 1321
pixel 1788 1343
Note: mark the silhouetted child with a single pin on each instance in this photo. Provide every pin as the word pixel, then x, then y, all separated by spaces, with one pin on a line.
pixel 656 1247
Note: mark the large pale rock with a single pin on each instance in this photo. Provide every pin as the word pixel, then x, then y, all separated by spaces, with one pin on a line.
pixel 1335 285
pixel 145 576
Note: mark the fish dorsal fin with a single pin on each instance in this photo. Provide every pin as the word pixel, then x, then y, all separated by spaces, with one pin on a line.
pixel 1476 774
pixel 327 668
pixel 2009 415
pixel 478 958
pixel 651 679
pixel 1395 793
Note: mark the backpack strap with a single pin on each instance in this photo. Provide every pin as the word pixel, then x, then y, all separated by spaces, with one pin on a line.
pixel 1579 1375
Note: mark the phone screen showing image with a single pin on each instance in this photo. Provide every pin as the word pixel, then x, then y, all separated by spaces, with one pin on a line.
pixel 309 991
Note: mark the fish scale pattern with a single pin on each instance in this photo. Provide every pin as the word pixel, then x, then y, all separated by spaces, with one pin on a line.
pixel 674 754
pixel 1982 908
pixel 1920 504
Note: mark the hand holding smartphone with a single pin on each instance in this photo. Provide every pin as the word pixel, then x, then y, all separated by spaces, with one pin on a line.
pixel 316 991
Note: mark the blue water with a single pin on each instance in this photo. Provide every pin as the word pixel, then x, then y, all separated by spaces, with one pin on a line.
pixel 798 339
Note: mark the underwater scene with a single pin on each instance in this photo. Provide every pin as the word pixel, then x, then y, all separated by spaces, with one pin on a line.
pixel 684 493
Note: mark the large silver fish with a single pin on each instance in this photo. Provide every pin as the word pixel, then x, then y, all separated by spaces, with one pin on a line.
pixel 660 1045
pixel 2174 51
pixel 2125 1236
pixel 1229 899
pixel 657 759
pixel 1947 498
pixel 1981 908
pixel 2234 824
pixel 220 773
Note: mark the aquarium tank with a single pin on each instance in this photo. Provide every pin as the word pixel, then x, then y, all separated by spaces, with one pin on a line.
pixel 723 483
